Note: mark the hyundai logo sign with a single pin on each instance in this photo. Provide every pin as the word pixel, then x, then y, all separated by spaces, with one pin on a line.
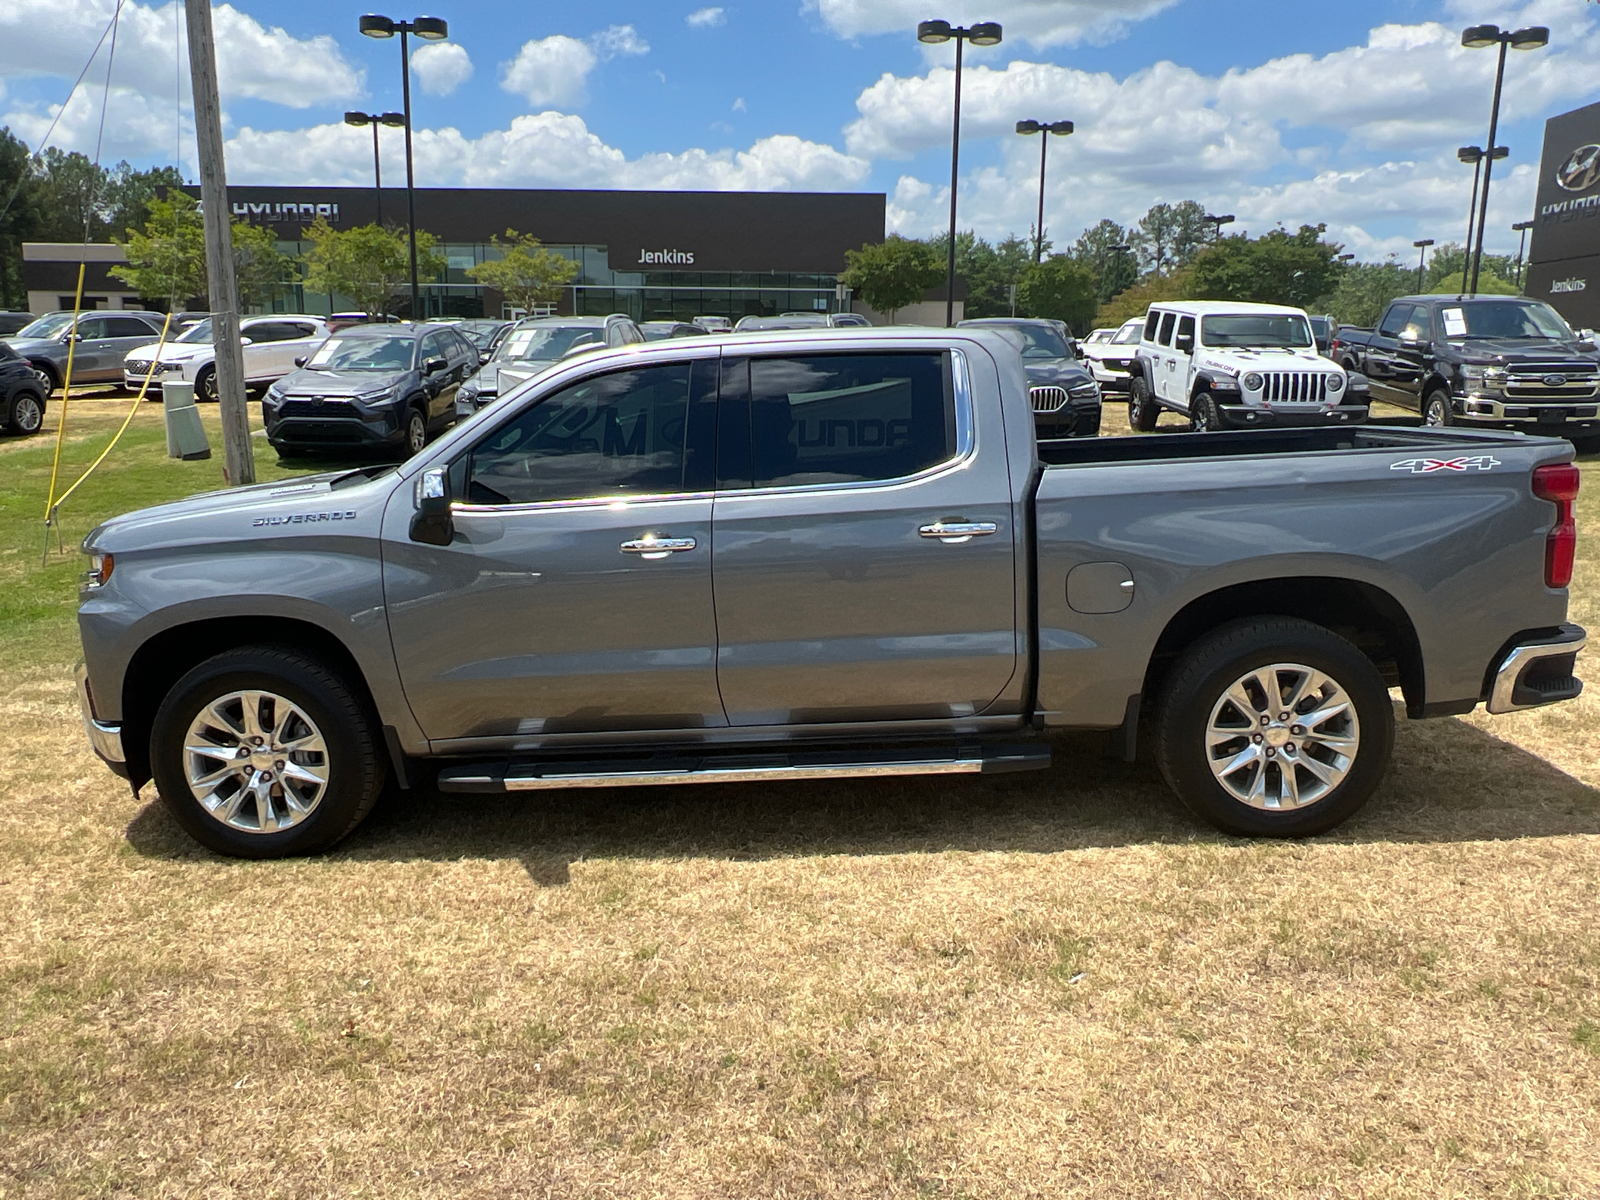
pixel 1581 171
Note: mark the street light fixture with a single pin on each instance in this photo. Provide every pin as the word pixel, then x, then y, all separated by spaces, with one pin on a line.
pixel 429 29
pixel 1061 129
pixel 1347 257
pixel 1479 37
pixel 1422 261
pixel 1218 223
pixel 1475 156
pixel 931 33
pixel 392 119
pixel 1521 227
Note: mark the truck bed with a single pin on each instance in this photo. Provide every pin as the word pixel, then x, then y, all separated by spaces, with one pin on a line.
pixel 1068 452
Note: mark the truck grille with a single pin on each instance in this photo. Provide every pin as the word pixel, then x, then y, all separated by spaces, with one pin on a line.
pixel 1294 386
pixel 1528 381
pixel 1048 399
pixel 316 408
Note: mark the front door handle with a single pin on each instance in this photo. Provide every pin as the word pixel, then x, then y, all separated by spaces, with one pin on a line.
pixel 954 533
pixel 651 547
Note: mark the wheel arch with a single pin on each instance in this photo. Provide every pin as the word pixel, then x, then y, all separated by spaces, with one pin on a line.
pixel 49 368
pixel 172 653
pixel 1363 613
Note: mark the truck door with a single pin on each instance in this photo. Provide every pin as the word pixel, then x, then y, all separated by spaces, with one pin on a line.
pixel 864 558
pixel 575 595
pixel 1408 366
pixel 1382 349
pixel 1165 363
pixel 1182 362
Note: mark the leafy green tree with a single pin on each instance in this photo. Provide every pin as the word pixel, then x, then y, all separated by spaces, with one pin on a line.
pixel 1449 261
pixel 1061 289
pixel 1277 268
pixel 368 263
pixel 1116 270
pixel 1489 283
pixel 892 273
pixel 21 217
pixel 988 271
pixel 526 274
pixel 1152 290
pixel 167 257
pixel 1363 291
pixel 125 195
pixel 1170 235
pixel 260 270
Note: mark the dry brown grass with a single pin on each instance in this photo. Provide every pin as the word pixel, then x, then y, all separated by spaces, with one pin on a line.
pixel 1038 985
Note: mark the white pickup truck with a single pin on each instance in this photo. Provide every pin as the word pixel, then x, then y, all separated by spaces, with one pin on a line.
pixel 1233 365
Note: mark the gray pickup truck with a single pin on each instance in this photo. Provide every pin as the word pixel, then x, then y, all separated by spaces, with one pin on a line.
pixel 820 554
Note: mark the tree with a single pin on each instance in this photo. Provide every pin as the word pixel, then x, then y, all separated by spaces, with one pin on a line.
pixel 1363 291
pixel 1449 261
pixel 1277 268
pixel 368 263
pixel 1061 289
pixel 167 257
pixel 1170 235
pixel 892 273
pixel 526 274
pixel 260 269
pixel 988 271
pixel 1115 269
pixel 1135 300
pixel 21 218
pixel 125 194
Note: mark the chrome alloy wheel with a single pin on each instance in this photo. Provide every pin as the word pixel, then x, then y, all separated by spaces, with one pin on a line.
pixel 1282 737
pixel 255 761
pixel 26 414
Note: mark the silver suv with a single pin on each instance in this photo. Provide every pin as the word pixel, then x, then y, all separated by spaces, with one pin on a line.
pixel 98 344
pixel 535 343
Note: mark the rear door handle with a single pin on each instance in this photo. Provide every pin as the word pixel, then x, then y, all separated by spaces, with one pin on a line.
pixel 954 533
pixel 651 547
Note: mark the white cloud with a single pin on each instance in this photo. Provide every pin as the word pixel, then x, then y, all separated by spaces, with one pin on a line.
pixel 550 70
pixel 138 125
pixel 740 106
pixel 254 61
pixel 441 67
pixel 619 39
pixel 1039 22
pixel 705 18
pixel 549 149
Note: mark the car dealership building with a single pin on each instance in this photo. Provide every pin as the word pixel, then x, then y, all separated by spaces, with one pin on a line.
pixel 651 255
pixel 1564 258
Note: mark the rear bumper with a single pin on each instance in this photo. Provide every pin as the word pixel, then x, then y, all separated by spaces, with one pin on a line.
pixel 1245 416
pixel 105 740
pixel 1538 672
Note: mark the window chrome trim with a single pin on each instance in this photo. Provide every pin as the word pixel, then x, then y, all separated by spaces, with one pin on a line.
pixel 624 500
pixel 966 445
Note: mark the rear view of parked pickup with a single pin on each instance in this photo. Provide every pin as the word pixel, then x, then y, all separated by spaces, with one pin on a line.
pixel 814 554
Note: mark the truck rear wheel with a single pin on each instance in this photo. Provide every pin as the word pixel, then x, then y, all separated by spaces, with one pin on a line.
pixel 1143 412
pixel 264 752
pixel 1274 727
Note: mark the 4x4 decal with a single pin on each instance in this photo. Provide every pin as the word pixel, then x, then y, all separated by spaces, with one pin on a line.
pixel 1427 466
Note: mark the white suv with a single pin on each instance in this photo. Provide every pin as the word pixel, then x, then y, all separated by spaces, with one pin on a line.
pixel 271 346
pixel 1110 358
pixel 1231 365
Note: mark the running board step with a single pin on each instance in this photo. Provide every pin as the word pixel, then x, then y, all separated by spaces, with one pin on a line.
pixel 742 768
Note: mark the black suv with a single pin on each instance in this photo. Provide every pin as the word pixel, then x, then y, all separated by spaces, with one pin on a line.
pixel 370 386
pixel 1066 399
pixel 21 393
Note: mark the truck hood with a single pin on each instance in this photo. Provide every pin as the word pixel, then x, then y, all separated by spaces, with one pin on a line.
pixel 27 346
pixel 308 502
pixel 1515 350
pixel 1057 373
pixel 342 383
pixel 496 378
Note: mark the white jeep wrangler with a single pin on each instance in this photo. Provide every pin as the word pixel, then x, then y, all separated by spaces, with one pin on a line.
pixel 1228 365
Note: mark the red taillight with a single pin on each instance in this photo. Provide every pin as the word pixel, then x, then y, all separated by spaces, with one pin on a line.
pixel 1558 483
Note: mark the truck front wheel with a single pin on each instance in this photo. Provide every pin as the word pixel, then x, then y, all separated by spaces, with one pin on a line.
pixel 1143 412
pixel 1274 727
pixel 1203 414
pixel 265 752
pixel 1436 410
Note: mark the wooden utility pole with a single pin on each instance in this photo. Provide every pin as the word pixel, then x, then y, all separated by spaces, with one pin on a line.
pixel 239 464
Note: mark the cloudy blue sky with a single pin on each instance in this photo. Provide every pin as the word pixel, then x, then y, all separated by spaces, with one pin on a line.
pixel 1278 112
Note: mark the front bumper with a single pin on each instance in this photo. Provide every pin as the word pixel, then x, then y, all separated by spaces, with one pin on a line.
pixel 1539 672
pixel 105 740
pixel 1082 421
pixel 1498 413
pixel 1111 379
pixel 1247 416
pixel 335 425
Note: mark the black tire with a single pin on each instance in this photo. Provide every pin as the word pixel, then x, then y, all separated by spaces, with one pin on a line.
pixel 1436 410
pixel 1143 412
pixel 25 414
pixel 1198 687
pixel 353 759
pixel 416 432
pixel 1203 414
pixel 205 385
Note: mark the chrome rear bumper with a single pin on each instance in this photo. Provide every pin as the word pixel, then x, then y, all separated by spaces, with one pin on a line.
pixel 106 740
pixel 1538 673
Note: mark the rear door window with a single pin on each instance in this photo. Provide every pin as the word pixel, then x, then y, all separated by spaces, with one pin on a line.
pixel 848 418
pixel 1167 321
pixel 1151 323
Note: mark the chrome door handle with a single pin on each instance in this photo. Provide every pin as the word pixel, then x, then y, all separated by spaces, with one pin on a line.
pixel 954 533
pixel 651 547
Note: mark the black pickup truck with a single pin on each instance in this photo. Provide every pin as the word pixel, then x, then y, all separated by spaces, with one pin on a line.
pixel 1489 361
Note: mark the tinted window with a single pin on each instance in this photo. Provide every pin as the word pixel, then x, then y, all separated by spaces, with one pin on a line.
pixel 93 327
pixel 611 435
pixel 1270 330
pixel 1503 319
pixel 1186 329
pixel 433 346
pixel 271 331
pixel 1395 320
pixel 1419 325
pixel 844 418
pixel 1167 321
pixel 128 327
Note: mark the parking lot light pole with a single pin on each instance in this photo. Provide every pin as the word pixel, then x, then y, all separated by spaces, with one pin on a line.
pixel 1422 260
pixel 1043 128
pixel 1479 37
pixel 359 119
pixel 1521 227
pixel 931 33
pixel 1474 155
pixel 1217 224
pixel 431 29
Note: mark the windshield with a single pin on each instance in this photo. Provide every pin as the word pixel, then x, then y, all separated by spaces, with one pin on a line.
pixel 544 343
pixel 480 334
pixel 1128 334
pixel 197 333
pixel 46 327
pixel 1504 319
pixel 1267 331
pixel 363 354
pixel 1321 326
pixel 1038 341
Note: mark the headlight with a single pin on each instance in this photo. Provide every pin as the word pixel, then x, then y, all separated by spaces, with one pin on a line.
pixel 1253 382
pixel 1084 391
pixel 1224 381
pixel 273 396
pixel 99 572
pixel 1485 377
pixel 376 397
pixel 1336 383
